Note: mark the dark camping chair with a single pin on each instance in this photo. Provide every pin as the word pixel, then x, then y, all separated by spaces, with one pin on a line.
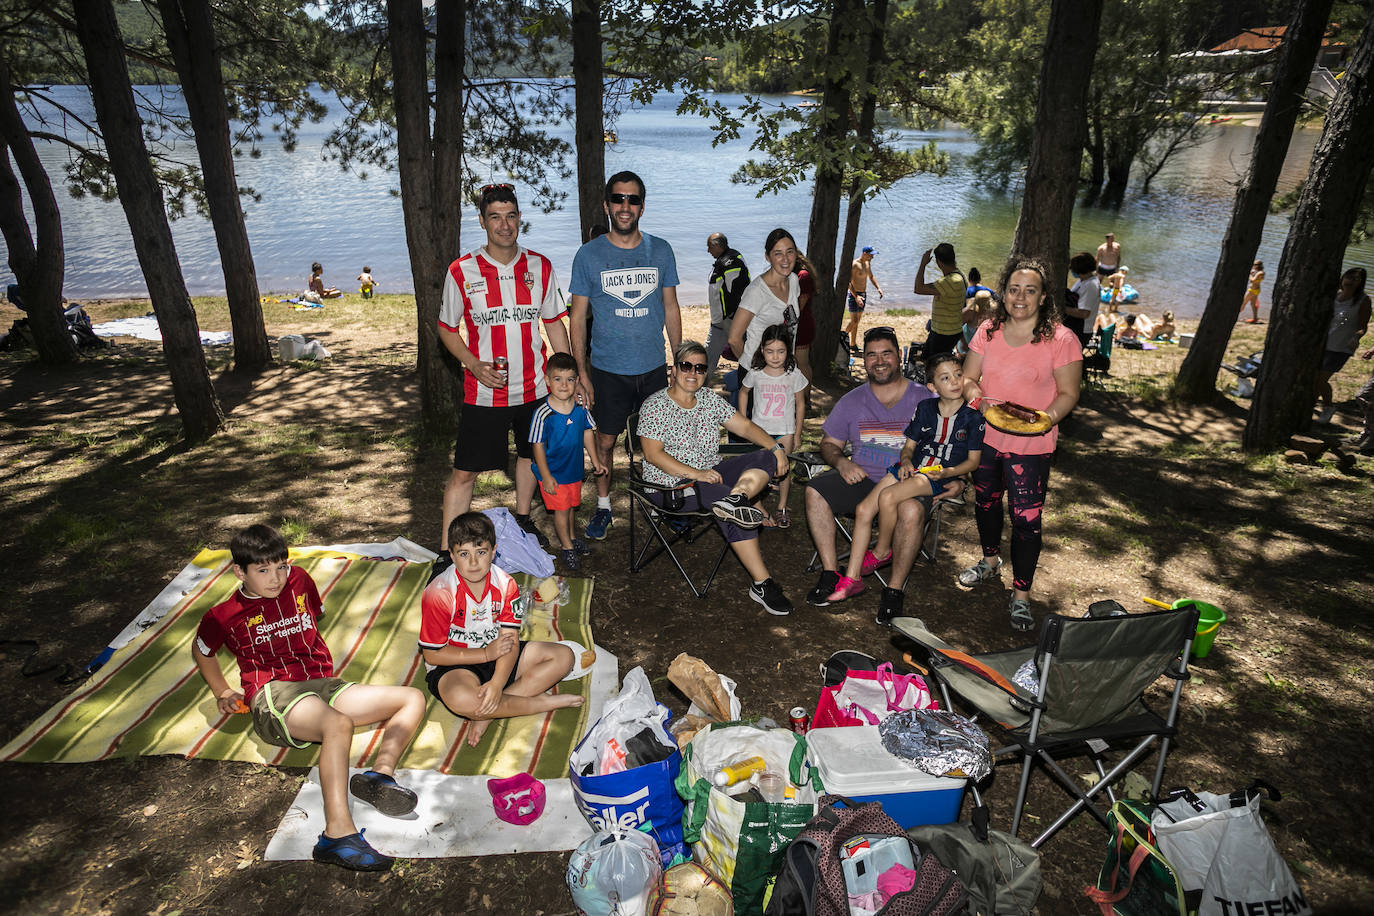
pixel 1089 695
pixel 1097 356
pixel 679 521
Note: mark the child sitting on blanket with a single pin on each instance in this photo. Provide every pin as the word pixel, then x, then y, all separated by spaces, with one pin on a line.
pixel 470 618
pixel 271 625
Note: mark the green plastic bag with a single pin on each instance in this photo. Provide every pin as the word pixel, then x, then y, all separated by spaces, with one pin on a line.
pixel 1136 879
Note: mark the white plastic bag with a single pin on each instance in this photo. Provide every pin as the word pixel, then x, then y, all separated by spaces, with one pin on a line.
pixel 612 872
pixel 626 715
pixel 516 549
pixel 1226 851
pixel 872 696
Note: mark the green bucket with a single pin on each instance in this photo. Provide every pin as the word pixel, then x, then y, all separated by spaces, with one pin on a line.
pixel 1209 620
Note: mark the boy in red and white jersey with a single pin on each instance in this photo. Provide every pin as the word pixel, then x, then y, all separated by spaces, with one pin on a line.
pixel 271 625
pixel 470 619
pixel 494 302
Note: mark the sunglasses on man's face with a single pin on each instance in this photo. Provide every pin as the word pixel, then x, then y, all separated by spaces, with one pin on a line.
pixel 698 368
pixel 634 200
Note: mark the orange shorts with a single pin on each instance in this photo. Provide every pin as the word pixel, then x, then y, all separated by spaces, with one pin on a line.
pixel 567 496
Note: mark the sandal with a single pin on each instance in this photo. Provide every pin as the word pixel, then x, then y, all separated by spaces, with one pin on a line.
pixel 783 518
pixel 979 573
pixel 1021 618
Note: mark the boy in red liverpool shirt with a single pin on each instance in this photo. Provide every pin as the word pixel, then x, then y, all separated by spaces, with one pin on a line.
pixel 271 625
pixel 470 618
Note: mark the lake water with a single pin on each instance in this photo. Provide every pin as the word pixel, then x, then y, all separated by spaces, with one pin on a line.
pixel 311 210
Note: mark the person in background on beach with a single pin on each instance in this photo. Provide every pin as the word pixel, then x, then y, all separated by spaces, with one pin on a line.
pixel 494 301
pixel 366 282
pixel 271 625
pixel 627 280
pixel 947 306
pixel 776 390
pixel 1024 354
pixel 729 277
pixel 1082 320
pixel 1252 293
pixel 1108 256
pixel 1349 322
pixel 1165 330
pixel 860 273
pixel 317 286
pixel 470 618
pixel 975 313
pixel 560 431
pixel 975 283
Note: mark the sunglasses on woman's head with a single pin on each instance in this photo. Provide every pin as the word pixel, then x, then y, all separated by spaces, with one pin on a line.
pixel 698 368
pixel 634 199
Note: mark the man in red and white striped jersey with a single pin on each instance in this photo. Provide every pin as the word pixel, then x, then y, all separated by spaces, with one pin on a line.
pixel 495 299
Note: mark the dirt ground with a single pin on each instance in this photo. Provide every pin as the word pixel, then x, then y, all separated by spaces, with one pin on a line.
pixel 102 505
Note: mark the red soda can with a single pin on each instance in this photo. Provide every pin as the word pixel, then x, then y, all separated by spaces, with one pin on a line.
pixel 502 365
pixel 800 720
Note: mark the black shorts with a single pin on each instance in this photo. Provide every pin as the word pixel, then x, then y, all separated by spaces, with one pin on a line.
pixel 618 396
pixel 481 444
pixel 843 498
pixel 941 343
pixel 483 670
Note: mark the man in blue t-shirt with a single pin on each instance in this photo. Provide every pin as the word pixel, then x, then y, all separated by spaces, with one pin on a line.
pixel 872 420
pixel 628 279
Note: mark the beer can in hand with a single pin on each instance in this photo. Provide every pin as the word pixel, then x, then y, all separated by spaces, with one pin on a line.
pixel 800 721
pixel 501 364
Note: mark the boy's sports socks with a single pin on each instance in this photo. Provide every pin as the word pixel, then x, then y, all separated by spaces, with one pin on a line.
pixel 351 852
pixel 383 793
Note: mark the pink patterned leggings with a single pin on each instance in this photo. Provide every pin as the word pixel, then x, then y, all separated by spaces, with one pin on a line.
pixel 1024 479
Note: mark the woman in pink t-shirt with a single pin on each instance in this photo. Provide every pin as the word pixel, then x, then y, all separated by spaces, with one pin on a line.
pixel 1022 353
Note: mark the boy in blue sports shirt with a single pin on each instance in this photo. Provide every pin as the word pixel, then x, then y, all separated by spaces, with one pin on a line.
pixel 944 441
pixel 560 431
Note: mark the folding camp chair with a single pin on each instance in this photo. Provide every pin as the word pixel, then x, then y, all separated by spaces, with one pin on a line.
pixel 678 518
pixel 1097 355
pixel 1089 695
pixel 812 465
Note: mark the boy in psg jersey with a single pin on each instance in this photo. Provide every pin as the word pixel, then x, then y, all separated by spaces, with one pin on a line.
pixel 271 625
pixel 470 619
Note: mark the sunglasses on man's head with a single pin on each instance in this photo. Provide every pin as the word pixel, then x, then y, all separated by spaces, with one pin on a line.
pixel 634 200
pixel 883 332
pixel 698 368
pixel 497 187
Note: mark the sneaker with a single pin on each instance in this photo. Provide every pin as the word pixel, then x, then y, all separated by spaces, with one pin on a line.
pixel 735 508
pixel 845 589
pixel 382 792
pixel 979 573
pixel 442 562
pixel 581 547
pixel 596 528
pixel 571 559
pixel 820 595
pixel 890 606
pixel 351 852
pixel 768 594
pixel 1021 618
pixel 873 563
pixel 528 526
pixel 1326 414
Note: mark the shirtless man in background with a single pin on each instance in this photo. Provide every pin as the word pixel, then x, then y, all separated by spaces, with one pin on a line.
pixel 1109 256
pixel 860 272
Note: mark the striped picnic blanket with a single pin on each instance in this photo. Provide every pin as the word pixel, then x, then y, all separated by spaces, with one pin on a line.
pixel 149 699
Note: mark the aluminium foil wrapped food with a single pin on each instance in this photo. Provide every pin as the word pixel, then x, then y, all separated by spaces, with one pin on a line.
pixel 938 742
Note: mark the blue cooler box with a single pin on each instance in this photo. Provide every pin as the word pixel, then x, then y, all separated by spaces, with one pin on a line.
pixel 853 763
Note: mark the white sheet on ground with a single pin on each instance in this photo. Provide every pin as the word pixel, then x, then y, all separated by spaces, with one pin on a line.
pixel 145 328
pixel 455 816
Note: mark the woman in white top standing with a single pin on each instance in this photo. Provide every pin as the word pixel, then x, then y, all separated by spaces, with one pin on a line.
pixel 1349 322
pixel 770 299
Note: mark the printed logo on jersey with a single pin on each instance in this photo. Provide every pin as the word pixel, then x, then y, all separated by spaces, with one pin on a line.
pixel 528 279
pixel 300 606
pixel 631 285
pixel 473 287
pixel 255 620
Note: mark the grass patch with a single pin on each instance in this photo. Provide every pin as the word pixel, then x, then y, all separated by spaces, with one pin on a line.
pixel 900 313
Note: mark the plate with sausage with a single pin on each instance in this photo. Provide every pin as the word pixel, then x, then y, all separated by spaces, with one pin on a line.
pixel 1017 419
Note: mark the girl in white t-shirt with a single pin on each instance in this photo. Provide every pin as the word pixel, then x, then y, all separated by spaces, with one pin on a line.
pixel 775 388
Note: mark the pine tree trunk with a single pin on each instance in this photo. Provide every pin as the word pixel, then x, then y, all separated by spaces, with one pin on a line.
pixel 827 189
pixel 141 197
pixel 1061 131
pixel 417 164
pixel 867 116
pixel 590 131
pixel 38 267
pixel 1311 263
pixel 191 39
pixel 1197 376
